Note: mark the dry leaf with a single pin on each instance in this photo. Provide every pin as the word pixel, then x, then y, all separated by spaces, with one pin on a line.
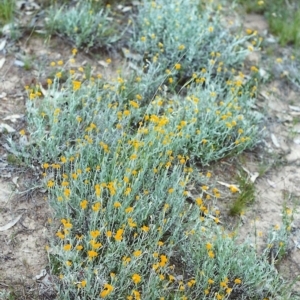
pixel 15 181
pixel 275 141
pixel 13 118
pixel 253 176
pixel 19 63
pixel 6 128
pixel 2 61
pixel 126 8
pixel 11 223
pixel 130 55
pixel 2 44
pixel 295 108
pixel 271 183
pixel 297 141
pixel 230 185
pixel 103 63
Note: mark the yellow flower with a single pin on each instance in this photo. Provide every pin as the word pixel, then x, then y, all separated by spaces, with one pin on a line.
pixel 46 166
pixel 92 254
pixel 95 245
pixel 233 188
pixel 136 278
pixel 67 247
pixel 199 201
pixel 211 254
pixel 58 74
pixel 145 228
pixel 131 223
pixel 22 132
pixel 74 51
pixel 107 290
pixel 204 187
pixel 191 282
pixel 82 284
pixel 79 247
pixel 170 191
pixel 67 193
pixel 94 233
pixel 237 281
pixel 96 206
pixel 68 263
pixel 181 47
pixel 76 85
pixel 127 192
pixel 134 104
pixel 64 183
pixel 137 253
pixel 129 209
pixel 254 69
pixel 119 235
pixel 133 156
pixel 50 184
pixel 83 204
pixel 137 295
pixel 63 159
pixel 163 260
pixel 126 260
pixel 52 64
pixel 60 235
pixel 177 66
pixel 219 297
pixel 117 204
pixel 108 233
pixel 208 246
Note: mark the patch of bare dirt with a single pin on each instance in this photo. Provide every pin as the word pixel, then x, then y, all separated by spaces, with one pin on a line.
pixel 23 236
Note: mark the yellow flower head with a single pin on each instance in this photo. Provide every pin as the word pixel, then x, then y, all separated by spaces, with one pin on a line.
pixel 136 278
pixel 94 233
pixel 177 66
pixel 108 288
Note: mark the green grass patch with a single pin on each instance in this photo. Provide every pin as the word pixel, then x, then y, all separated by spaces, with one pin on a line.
pixel 245 197
pixel 283 18
pixel 6 11
pixel 85 25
